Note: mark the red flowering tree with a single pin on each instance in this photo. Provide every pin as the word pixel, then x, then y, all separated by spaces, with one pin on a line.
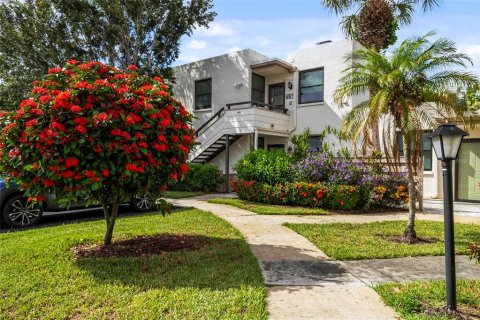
pixel 92 131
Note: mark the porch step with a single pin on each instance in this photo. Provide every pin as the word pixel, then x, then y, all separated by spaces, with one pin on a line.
pixel 215 149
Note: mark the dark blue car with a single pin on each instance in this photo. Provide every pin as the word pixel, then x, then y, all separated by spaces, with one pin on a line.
pixel 16 211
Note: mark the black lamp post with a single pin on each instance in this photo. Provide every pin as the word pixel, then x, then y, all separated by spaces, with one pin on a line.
pixel 446 142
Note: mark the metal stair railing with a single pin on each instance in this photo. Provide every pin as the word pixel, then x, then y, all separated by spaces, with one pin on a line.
pixel 215 117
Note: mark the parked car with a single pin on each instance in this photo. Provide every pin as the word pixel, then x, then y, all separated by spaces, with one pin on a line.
pixel 16 211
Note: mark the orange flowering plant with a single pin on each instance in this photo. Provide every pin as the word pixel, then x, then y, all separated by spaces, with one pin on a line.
pixel 92 131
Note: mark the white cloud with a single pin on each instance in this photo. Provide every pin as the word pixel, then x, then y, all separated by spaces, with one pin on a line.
pixel 272 37
pixel 472 50
pixel 185 57
pixel 196 44
pixel 216 29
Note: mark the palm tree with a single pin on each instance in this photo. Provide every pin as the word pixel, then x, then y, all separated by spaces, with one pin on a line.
pixel 414 85
pixel 374 22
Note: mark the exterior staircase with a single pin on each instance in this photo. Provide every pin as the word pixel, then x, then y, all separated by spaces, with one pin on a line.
pixel 233 121
pixel 215 148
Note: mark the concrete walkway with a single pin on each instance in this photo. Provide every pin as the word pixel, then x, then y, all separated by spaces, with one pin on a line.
pixel 303 283
pixel 459 208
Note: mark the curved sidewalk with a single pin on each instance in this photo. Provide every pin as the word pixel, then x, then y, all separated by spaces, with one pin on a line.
pixel 302 282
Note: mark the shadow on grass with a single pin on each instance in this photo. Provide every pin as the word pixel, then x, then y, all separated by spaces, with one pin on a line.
pixel 220 264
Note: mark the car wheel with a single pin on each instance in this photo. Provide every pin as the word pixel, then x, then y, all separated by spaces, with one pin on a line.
pixel 142 203
pixel 21 213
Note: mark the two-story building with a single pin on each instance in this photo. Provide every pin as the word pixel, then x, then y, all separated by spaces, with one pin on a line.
pixel 245 100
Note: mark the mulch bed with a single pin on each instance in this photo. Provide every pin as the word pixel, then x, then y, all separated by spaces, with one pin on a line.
pixel 141 246
pixel 463 312
pixel 401 239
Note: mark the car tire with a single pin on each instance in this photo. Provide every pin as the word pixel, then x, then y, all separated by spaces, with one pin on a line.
pixel 142 203
pixel 18 212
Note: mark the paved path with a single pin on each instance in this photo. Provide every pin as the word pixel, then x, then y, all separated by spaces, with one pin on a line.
pixel 302 282
pixel 460 208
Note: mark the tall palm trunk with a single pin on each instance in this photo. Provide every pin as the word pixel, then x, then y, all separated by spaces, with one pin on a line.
pixel 410 234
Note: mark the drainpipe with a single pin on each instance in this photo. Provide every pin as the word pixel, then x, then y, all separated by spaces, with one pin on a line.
pixel 255 139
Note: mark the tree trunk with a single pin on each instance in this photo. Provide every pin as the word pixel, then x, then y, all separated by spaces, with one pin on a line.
pixel 110 213
pixel 410 234
pixel 376 136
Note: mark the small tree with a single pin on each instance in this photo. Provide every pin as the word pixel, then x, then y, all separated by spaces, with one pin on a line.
pixel 92 131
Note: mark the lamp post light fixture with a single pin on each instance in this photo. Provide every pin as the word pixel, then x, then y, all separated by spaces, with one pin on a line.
pixel 446 140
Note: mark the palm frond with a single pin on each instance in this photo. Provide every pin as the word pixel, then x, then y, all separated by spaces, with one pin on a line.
pixel 338 6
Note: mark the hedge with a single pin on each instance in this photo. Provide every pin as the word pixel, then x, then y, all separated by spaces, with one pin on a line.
pixel 315 195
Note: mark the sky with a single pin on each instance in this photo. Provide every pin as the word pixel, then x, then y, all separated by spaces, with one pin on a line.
pixel 277 27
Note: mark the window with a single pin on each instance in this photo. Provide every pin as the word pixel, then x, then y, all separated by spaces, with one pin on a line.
pixel 258 88
pixel 261 143
pixel 315 143
pixel 427 150
pixel 203 94
pixel 311 86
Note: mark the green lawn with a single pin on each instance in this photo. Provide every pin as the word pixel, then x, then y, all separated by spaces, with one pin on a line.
pixel 182 194
pixel 39 279
pixel 417 300
pixel 268 209
pixel 347 241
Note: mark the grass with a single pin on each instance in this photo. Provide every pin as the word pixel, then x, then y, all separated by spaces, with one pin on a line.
pixel 346 241
pixel 420 300
pixel 39 278
pixel 182 194
pixel 268 209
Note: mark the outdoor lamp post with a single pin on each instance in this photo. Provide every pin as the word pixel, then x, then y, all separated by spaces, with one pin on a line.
pixel 446 142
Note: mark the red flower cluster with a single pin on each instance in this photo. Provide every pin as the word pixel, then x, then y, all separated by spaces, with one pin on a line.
pixel 89 126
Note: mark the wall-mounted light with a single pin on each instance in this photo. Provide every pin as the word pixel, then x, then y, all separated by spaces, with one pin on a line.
pixel 238 85
pixel 290 85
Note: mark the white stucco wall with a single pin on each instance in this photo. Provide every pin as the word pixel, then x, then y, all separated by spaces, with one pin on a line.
pixel 317 116
pixel 226 71
pixel 237 150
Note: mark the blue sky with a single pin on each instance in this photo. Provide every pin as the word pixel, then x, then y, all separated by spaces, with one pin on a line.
pixel 277 27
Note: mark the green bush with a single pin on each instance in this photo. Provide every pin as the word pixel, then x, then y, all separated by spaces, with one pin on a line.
pixel 314 195
pixel 342 197
pixel 200 177
pixel 264 166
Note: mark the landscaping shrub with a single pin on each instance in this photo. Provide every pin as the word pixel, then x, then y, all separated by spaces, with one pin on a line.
pixel 270 167
pixel 388 189
pixel 343 197
pixel 377 189
pixel 200 177
pixel 315 195
pixel 320 179
pixel 325 167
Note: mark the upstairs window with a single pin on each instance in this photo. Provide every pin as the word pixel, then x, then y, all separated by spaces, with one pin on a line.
pixel 203 94
pixel 311 86
pixel 258 88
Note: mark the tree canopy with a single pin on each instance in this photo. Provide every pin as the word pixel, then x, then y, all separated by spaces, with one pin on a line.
pixel 91 131
pixel 374 23
pixel 39 34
